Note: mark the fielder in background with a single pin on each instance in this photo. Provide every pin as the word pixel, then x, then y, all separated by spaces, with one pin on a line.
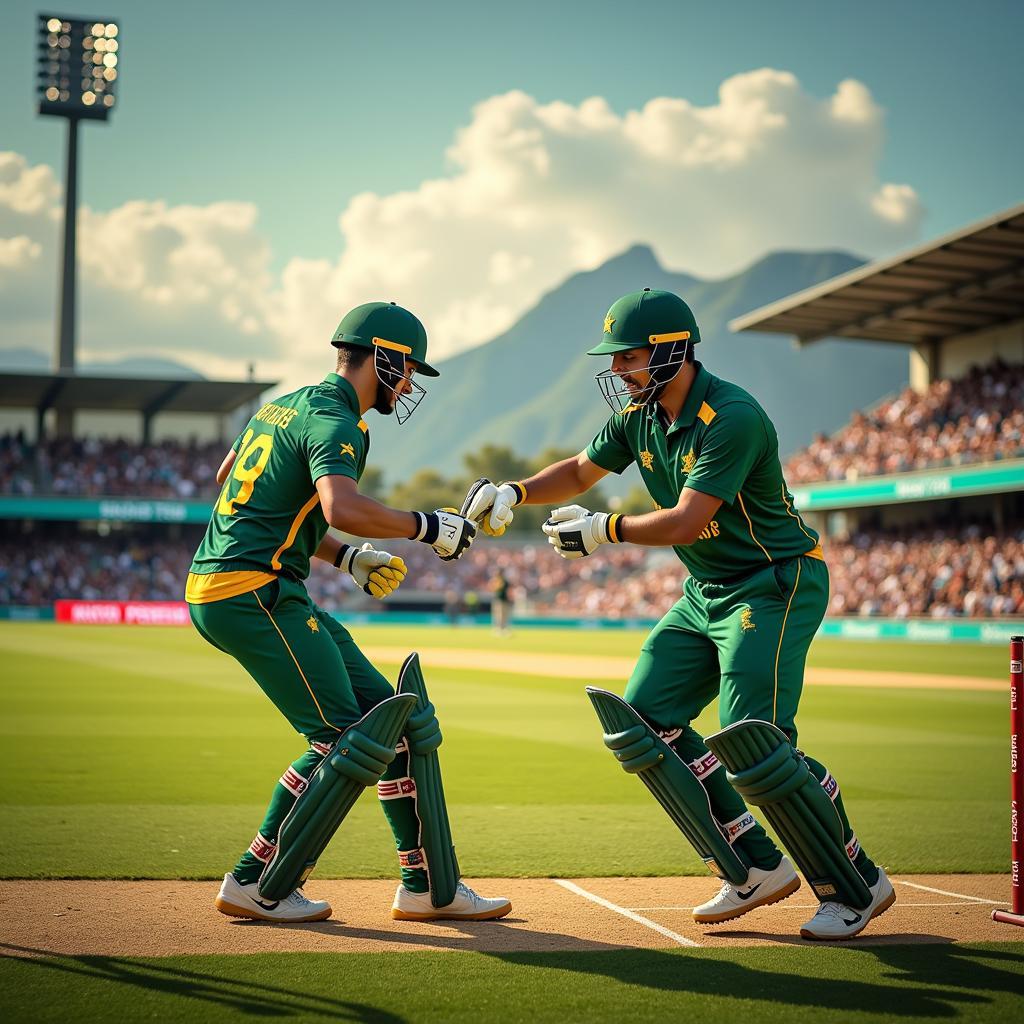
pixel 292 473
pixel 501 602
pixel 756 592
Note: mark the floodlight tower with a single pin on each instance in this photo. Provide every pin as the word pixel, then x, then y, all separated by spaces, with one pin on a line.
pixel 77 80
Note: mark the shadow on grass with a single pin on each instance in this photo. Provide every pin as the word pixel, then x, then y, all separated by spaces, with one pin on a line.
pixel 489 938
pixel 927 980
pixel 242 994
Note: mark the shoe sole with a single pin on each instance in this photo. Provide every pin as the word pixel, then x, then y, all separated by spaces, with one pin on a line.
pixel 878 912
pixel 232 910
pixel 776 897
pixel 487 915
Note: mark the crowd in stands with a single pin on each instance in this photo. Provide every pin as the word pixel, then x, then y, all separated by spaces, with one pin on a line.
pixel 978 418
pixel 101 468
pixel 972 571
pixel 933 573
pixel 96 569
pixel 975 571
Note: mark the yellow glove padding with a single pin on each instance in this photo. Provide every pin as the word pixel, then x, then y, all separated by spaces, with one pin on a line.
pixel 379 573
pixel 382 582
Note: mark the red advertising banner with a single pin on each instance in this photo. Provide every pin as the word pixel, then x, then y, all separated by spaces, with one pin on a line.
pixel 117 613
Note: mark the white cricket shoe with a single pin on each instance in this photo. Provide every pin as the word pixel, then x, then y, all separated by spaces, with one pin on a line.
pixel 759 890
pixel 467 906
pixel 836 921
pixel 237 900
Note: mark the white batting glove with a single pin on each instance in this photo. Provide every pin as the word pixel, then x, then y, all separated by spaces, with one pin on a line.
pixel 576 532
pixel 447 532
pixel 490 505
pixel 377 572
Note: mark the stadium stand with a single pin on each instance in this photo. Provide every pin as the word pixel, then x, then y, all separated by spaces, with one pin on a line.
pixel 971 571
pixel 102 468
pixel 979 418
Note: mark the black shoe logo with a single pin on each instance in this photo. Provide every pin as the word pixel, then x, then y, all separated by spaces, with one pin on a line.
pixel 750 892
pixel 856 919
pixel 276 903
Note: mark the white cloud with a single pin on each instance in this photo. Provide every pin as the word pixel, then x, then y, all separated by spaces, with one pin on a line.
pixel 185 282
pixel 18 253
pixel 535 192
pixel 538 191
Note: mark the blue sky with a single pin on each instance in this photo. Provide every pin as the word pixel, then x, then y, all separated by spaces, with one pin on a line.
pixel 296 110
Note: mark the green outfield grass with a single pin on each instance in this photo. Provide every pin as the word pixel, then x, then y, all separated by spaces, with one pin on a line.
pixel 131 752
pixel 924 983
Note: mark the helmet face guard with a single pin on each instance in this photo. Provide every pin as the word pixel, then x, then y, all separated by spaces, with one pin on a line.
pixel 668 355
pixel 389 363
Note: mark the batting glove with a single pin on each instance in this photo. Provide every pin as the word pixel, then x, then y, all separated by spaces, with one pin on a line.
pixel 490 506
pixel 379 574
pixel 576 532
pixel 447 532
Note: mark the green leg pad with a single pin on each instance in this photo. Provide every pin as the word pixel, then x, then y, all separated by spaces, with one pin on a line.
pixel 767 772
pixel 358 760
pixel 641 751
pixel 423 734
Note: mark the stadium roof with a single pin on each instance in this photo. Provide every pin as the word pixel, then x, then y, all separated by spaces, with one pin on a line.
pixel 962 282
pixel 145 395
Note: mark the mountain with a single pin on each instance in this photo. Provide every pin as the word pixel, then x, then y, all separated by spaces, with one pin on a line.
pixel 30 360
pixel 532 387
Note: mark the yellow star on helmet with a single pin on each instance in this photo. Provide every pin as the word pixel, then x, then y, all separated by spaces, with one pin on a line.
pixel 608 321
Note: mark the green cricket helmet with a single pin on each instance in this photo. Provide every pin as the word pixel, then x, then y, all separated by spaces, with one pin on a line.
pixel 652 319
pixel 394 334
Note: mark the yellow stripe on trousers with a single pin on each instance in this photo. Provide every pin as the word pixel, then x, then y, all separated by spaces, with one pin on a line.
pixel 782 633
pixel 297 665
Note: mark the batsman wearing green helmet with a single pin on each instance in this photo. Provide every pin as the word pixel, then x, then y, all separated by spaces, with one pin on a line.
pixel 755 595
pixel 292 473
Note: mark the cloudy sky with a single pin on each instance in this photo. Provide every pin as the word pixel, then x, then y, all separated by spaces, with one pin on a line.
pixel 266 168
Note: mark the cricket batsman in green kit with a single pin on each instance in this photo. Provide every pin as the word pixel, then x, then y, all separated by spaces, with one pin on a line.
pixel 292 473
pixel 755 595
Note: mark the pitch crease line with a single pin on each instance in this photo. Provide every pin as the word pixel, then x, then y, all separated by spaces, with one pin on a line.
pixel 814 906
pixel 682 940
pixel 946 892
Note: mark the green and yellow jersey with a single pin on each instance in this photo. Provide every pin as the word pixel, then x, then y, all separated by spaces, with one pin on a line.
pixel 722 444
pixel 268 521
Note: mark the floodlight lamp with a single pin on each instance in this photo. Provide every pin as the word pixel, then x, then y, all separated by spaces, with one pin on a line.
pixel 76 67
